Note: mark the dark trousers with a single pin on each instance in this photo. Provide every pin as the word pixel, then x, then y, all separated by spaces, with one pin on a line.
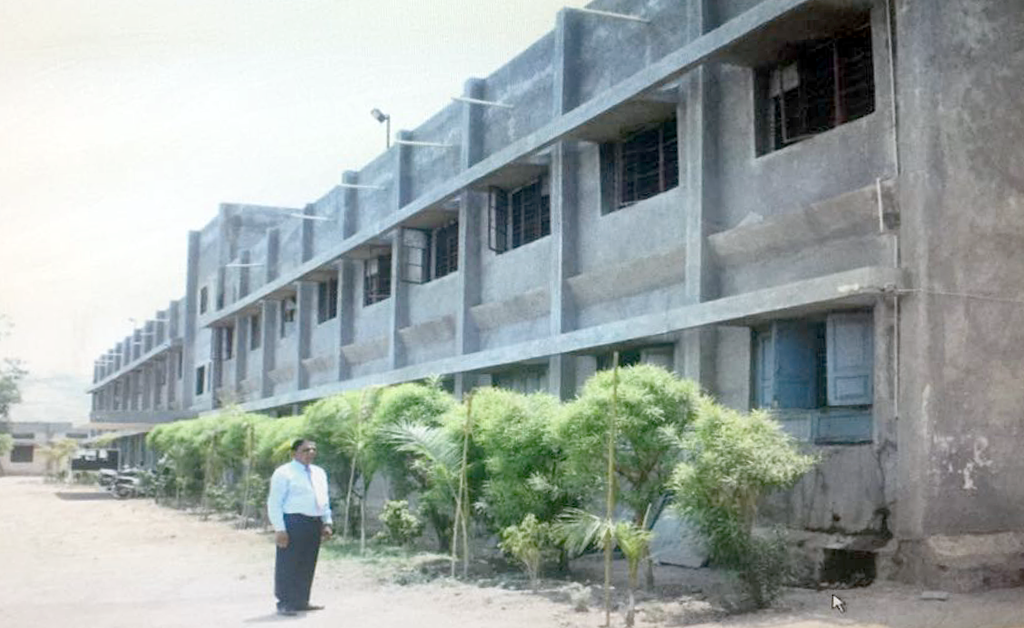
pixel 295 564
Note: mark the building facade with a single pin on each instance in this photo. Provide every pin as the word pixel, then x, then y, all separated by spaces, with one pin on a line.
pixel 811 206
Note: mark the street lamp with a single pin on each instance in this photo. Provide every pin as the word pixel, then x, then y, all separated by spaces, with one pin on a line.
pixel 380 116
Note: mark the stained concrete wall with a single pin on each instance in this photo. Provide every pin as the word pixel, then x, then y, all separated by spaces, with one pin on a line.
pixel 962 159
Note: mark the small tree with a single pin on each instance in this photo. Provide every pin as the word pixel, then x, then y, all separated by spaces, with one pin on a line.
pixel 649 399
pixel 527 542
pixel 56 454
pixel 6 445
pixel 410 419
pixel 730 460
pixel 514 434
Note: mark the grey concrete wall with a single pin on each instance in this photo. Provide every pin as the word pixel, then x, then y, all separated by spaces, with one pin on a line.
pixel 962 151
pixel 607 50
pixel 373 205
pixel 526 83
pixel 652 225
pixel 327 233
pixel 290 252
pixel 428 166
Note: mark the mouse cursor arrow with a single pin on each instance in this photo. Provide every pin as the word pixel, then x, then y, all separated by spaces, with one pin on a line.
pixel 838 604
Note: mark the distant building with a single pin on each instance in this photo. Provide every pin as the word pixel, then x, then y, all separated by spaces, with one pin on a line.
pixel 27 457
pixel 812 206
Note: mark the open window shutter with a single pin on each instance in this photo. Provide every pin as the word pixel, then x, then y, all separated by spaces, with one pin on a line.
pixel 796 372
pixel 497 220
pixel 850 362
pixel 764 369
pixel 415 245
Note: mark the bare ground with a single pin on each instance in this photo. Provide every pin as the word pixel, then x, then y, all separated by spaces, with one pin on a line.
pixel 71 556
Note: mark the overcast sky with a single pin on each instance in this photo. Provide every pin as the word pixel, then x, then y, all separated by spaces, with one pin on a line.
pixel 124 124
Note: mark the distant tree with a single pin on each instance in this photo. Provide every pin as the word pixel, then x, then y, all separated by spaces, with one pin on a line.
pixel 11 373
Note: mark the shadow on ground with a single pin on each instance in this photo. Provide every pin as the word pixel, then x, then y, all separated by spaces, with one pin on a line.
pixel 82 497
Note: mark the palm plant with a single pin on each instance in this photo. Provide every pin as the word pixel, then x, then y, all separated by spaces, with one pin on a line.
pixel 437 460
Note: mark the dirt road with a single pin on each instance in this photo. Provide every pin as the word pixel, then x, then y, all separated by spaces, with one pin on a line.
pixel 72 557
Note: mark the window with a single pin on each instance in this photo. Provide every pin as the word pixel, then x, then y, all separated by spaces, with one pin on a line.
pixel 327 300
pixel 526 380
pixel 204 299
pixel 254 331
pixel 22 453
pixel 376 279
pixel 23 435
pixel 181 364
pixel 606 361
pixel 446 249
pixel 824 365
pixel 77 435
pixel 200 380
pixel 227 339
pixel 289 306
pixel 430 254
pixel 824 83
pixel 519 216
pixel 646 164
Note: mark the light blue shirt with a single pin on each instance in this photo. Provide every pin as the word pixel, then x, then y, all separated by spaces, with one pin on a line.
pixel 294 489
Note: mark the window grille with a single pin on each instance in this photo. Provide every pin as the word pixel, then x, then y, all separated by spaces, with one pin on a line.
pixel 648 163
pixel 254 332
pixel 519 216
pixel 446 250
pixel 830 83
pixel 327 300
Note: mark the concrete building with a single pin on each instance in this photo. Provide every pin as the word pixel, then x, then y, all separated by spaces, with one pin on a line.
pixel 813 206
pixel 27 456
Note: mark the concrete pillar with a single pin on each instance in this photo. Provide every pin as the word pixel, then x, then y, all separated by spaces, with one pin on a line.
pixel 347 278
pixel 243 274
pixel 563 61
pixel 397 302
pixel 273 254
pixel 303 340
pixel 402 170
pixel 216 364
pixel 349 214
pixel 561 369
pixel 242 340
pixel 191 314
pixel 269 346
pixel 306 233
pixel 471 208
pixel 695 350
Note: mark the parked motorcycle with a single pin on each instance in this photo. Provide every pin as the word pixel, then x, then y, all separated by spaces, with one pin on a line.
pixel 127 484
pixel 107 478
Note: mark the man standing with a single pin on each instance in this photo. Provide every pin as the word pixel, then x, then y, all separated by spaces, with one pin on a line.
pixel 301 515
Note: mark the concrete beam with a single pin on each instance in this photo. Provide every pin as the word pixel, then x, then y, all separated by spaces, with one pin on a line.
pixel 779 300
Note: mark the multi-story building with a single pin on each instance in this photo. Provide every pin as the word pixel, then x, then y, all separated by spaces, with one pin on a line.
pixel 812 206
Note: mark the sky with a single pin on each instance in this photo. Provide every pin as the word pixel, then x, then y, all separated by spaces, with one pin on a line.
pixel 124 124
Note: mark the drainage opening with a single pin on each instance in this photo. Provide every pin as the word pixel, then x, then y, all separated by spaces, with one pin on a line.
pixel 849 568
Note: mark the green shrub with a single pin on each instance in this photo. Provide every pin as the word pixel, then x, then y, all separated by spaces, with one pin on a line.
pixel 529 542
pixel 401 527
pixel 513 434
pixel 650 399
pixel 730 460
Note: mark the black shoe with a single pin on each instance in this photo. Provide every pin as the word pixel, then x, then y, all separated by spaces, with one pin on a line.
pixel 311 607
